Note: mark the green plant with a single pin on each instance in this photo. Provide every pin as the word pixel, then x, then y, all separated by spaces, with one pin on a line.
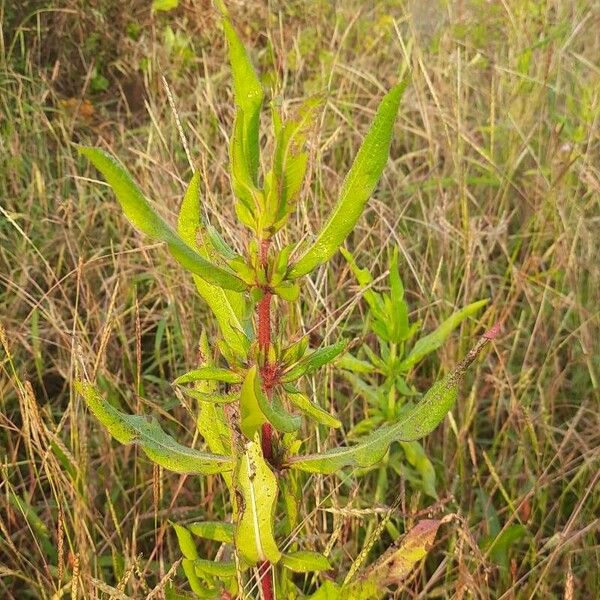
pixel 246 391
pixel 380 376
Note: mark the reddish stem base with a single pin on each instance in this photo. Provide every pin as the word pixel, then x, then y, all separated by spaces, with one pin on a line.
pixel 266 580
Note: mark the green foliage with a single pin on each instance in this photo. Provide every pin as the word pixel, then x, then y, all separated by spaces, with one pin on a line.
pixel 244 391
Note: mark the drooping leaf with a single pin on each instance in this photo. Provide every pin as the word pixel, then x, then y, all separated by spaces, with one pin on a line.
pixel 314 361
pixel 195 584
pixel 304 561
pixel 428 344
pixel 248 94
pixel 138 210
pixel 228 306
pixel 213 530
pixel 417 422
pixel 357 187
pixel 156 444
pixel 303 403
pixel 209 374
pixel 255 499
pixel 396 563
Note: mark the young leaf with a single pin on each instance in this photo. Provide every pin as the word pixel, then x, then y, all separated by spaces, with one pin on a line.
pixel 255 498
pixel 138 210
pixel 273 411
pixel 357 187
pixel 304 561
pixel 156 444
pixel 313 361
pixel 248 94
pixel 310 409
pixel 252 417
pixel 228 306
pixel 415 424
pixel 209 374
pixel 434 340
pixel 213 530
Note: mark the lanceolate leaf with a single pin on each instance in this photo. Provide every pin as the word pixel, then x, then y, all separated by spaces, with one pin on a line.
pixel 304 561
pixel 255 497
pixel 248 93
pixel 228 306
pixel 303 403
pixel 138 210
pixel 157 445
pixel 415 424
pixel 357 187
pixel 314 361
pixel 209 374
pixel 434 340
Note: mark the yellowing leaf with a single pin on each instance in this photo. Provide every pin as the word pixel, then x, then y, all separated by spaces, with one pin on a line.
pixel 255 499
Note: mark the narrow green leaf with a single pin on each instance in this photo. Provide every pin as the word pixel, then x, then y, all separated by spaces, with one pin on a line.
pixel 329 590
pixel 304 561
pixel 139 212
pixel 228 306
pixel 195 584
pixel 215 568
pixel 415 424
pixel 255 498
pixel 357 187
pixel 426 345
pixel 314 361
pixel 398 309
pixel 248 94
pixel 310 409
pixel 351 363
pixel 156 444
pixel 209 374
pixel 274 412
pixel 211 396
pixel 186 542
pixel 213 530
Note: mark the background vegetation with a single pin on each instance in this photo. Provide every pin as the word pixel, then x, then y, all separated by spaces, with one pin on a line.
pixel 492 190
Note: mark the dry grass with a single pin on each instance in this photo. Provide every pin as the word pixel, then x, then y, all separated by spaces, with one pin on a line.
pixel 493 190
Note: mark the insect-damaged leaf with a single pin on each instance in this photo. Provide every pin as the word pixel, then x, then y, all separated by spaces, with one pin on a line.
pixel 415 424
pixel 139 212
pixel 255 498
pixel 426 345
pixel 228 306
pixel 156 444
pixel 357 187
pixel 396 563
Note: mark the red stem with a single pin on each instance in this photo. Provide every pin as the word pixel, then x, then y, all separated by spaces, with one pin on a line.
pixel 265 571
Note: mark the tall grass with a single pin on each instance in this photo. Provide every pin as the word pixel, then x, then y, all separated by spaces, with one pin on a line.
pixel 496 194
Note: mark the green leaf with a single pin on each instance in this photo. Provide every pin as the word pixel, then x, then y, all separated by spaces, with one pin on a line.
pixel 328 591
pixel 304 561
pixel 310 409
pixel 255 500
pixel 215 568
pixel 314 361
pixel 273 411
pixel 164 5
pixel 413 425
pixel 139 212
pixel 156 444
pixel 396 563
pixel 195 584
pixel 434 340
pixel 213 530
pixel 357 187
pixel 211 396
pixel 416 456
pixel 186 542
pixel 248 94
pixel 228 306
pixel 252 416
pixel 399 309
pixel 209 374
pixel 351 363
